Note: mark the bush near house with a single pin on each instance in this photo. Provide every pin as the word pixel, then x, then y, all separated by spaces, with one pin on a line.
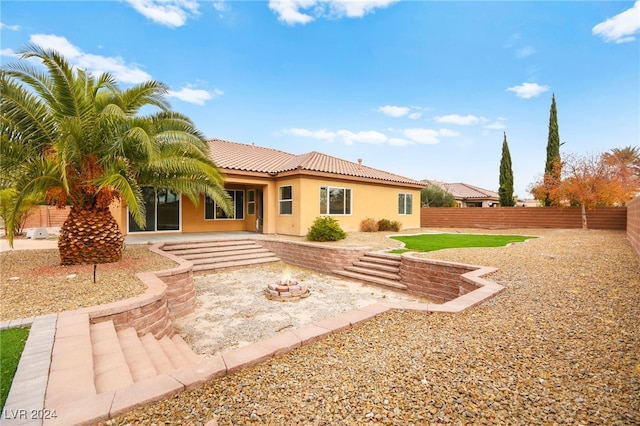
pixel 389 225
pixel 325 229
pixel 369 225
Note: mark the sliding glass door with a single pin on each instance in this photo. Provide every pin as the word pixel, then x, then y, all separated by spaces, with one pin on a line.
pixel 162 211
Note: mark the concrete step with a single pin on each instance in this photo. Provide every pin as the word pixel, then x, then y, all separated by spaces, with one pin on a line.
pixel 137 357
pixel 213 244
pixel 382 258
pixel 71 370
pixel 215 266
pixel 394 284
pixel 375 265
pixel 376 273
pixel 110 368
pixel 159 358
pixel 232 256
pixel 222 252
pixel 178 360
pixel 186 350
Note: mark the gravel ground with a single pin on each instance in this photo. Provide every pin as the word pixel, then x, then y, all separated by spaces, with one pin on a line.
pixel 34 283
pixel 560 345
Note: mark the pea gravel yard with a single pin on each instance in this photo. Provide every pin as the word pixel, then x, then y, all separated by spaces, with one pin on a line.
pixel 561 345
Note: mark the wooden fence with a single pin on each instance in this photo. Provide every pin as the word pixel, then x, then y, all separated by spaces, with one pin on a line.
pixel 611 218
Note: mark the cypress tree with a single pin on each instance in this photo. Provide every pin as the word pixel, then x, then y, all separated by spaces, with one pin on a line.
pixel 553 148
pixel 506 176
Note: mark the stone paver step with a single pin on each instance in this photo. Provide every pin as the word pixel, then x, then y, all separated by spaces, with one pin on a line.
pixel 178 360
pixel 376 273
pixel 137 357
pixel 378 266
pixel 186 350
pixel 110 369
pixel 176 247
pixel 382 258
pixel 222 251
pixel 232 257
pixel 371 279
pixel 234 263
pixel 159 358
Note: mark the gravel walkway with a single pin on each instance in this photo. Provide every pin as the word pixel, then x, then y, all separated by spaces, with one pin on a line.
pixel 560 345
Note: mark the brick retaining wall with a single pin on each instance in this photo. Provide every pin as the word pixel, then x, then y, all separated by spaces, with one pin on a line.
pixel 313 256
pixel 169 295
pixel 633 223
pixel 610 218
pixel 435 280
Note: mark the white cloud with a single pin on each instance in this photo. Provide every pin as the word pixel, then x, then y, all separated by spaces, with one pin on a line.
pixel 95 64
pixel 304 11
pixel 496 125
pixel 458 119
pixel 194 96
pixel 393 111
pixel 523 52
pixel 415 115
pixel 322 134
pixel 528 90
pixel 399 142
pixel 622 27
pixel 8 52
pixel 9 27
pixel 448 132
pixel 372 137
pixel 423 136
pixel 172 13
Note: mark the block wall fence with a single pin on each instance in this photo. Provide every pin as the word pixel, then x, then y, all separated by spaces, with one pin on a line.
pixel 609 218
pixel 633 224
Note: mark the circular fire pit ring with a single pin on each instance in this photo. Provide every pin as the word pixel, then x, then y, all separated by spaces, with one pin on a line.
pixel 286 291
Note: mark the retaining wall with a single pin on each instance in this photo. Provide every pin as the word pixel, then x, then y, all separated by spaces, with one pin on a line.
pixel 633 223
pixel 610 218
pixel 436 281
pixel 46 217
pixel 169 295
pixel 313 256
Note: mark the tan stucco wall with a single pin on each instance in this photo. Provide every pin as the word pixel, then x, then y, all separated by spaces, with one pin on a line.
pixel 368 200
pixel 374 200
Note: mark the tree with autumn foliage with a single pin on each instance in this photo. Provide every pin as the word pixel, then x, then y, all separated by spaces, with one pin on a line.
pixel 72 138
pixel 588 181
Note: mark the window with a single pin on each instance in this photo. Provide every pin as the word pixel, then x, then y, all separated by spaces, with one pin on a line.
pixel 405 203
pixel 213 211
pixel 285 196
pixel 162 211
pixel 251 201
pixel 335 201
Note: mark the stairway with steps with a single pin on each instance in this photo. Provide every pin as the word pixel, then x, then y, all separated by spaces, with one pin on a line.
pixel 220 254
pixel 108 360
pixel 375 268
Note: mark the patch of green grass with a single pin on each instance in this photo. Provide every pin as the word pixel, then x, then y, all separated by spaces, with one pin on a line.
pixel 432 242
pixel 12 343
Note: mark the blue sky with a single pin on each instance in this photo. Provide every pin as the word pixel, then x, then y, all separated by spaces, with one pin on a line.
pixel 424 89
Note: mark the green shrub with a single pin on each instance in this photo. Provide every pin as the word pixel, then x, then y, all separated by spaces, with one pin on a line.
pixel 325 228
pixel 369 225
pixel 388 225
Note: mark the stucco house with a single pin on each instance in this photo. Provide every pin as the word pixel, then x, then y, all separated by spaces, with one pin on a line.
pixel 468 195
pixel 275 192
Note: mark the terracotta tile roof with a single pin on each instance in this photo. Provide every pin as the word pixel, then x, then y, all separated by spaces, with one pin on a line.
pixel 464 190
pixel 253 158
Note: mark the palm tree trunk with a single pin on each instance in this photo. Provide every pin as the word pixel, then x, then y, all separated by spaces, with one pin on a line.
pixel 89 237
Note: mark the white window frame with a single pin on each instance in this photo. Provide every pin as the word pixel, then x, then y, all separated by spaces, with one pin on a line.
pixel 235 215
pixel 285 201
pixel 402 208
pixel 327 207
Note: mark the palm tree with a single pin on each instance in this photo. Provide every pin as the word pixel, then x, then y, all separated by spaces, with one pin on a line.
pixel 75 139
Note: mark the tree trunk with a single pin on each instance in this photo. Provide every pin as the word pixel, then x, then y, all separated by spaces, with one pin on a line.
pixel 90 237
pixel 584 217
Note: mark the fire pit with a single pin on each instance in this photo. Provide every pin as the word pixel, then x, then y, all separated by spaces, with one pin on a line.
pixel 286 290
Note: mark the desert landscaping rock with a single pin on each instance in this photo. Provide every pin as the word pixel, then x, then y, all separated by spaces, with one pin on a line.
pixel 560 345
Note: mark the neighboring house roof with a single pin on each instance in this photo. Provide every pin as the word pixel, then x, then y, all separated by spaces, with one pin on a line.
pixel 253 158
pixel 465 191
